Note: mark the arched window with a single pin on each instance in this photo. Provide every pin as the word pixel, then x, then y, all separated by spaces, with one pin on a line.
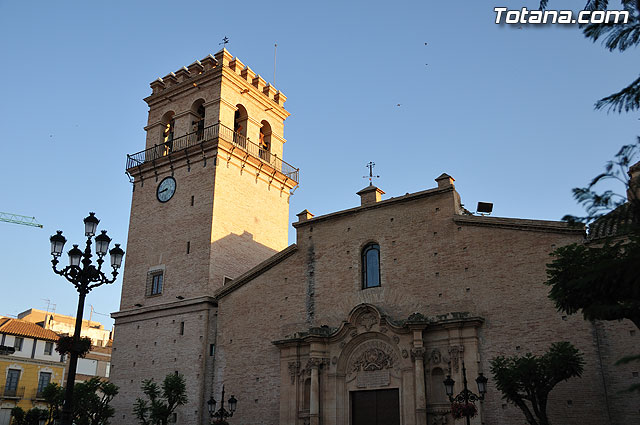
pixel 197 125
pixel 437 389
pixel 306 398
pixel 371 266
pixel 240 126
pixel 265 141
pixel 168 129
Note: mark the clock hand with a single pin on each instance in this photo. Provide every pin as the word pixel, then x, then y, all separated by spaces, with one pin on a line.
pixel 164 190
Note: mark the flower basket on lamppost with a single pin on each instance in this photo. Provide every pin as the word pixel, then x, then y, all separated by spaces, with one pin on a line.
pixel 219 417
pixel 85 276
pixel 463 404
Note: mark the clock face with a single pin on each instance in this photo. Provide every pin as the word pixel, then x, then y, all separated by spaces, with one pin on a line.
pixel 166 189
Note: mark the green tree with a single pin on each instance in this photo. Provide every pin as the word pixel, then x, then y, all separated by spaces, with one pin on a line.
pixel 601 279
pixel 53 395
pixel 32 417
pixel 91 402
pixel 602 282
pixel 17 416
pixel 616 36
pixel 526 381
pixel 162 401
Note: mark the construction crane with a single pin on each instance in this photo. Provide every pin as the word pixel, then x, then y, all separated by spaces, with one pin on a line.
pixel 19 219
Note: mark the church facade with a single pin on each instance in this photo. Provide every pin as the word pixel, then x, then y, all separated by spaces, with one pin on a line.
pixel 359 321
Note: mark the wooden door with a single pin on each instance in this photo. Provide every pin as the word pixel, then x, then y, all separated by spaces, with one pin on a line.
pixel 377 407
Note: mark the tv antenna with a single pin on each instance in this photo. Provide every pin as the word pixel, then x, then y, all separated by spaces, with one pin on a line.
pixel 370 166
pixel 49 305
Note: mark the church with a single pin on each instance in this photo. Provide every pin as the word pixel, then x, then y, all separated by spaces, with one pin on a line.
pixel 363 317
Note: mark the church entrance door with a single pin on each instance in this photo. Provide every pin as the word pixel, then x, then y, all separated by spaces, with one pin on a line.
pixel 378 407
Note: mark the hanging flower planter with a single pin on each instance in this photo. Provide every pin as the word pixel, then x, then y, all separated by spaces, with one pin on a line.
pixel 65 345
pixel 463 410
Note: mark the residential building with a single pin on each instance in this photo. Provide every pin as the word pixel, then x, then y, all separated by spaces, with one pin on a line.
pixel 98 361
pixel 28 365
pixel 65 325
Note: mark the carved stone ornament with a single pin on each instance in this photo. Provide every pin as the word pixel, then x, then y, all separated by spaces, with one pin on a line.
pixel 294 368
pixel 439 420
pixel 436 357
pixel 368 320
pixel 334 360
pixel 372 359
pixel 405 354
pixel 417 353
pixel 354 333
pixel 316 362
pixel 396 339
pixel 455 354
pixel 383 329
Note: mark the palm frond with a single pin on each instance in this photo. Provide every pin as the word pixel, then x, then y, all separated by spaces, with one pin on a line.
pixel 596 5
pixel 617 36
pixel 628 359
pixel 627 99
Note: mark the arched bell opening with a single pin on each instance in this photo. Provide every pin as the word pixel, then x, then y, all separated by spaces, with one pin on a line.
pixel 265 141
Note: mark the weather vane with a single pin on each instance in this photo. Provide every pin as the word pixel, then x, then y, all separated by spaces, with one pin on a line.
pixel 370 166
pixel 225 40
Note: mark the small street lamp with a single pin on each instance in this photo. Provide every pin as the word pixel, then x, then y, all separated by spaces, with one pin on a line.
pixel 218 417
pixel 84 276
pixel 465 397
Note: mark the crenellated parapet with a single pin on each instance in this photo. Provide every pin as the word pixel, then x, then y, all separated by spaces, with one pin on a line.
pixel 222 59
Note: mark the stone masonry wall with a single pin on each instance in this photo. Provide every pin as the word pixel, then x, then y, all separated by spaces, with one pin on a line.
pixel 159 234
pixel 250 219
pixel 150 345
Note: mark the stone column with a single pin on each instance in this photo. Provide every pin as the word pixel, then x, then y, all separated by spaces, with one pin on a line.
pixel 314 404
pixel 253 130
pixel 417 354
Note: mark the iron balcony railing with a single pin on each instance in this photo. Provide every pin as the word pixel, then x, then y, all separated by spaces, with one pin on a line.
pixel 12 392
pixel 209 133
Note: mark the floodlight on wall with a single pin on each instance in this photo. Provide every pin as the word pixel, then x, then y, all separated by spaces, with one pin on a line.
pixel 484 208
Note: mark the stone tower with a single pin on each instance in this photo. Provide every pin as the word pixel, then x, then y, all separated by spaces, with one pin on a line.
pixel 210 201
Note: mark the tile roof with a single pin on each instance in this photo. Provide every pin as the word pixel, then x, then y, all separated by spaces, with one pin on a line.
pixel 26 329
pixel 618 222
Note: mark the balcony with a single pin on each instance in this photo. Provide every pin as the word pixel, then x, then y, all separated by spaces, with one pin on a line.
pixel 216 131
pixel 12 393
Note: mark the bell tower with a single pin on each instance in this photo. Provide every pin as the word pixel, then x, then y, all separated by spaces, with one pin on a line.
pixel 210 201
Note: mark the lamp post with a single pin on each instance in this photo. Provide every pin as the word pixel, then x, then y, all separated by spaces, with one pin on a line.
pixel 84 276
pixel 218 417
pixel 465 396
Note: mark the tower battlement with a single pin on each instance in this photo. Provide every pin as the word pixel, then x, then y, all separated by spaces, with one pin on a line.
pixel 186 76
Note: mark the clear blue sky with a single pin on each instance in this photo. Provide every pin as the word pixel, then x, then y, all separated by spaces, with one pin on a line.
pixel 507 112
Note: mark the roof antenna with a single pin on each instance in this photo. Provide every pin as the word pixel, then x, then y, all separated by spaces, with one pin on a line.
pixel 275 51
pixel 370 166
pixel 225 40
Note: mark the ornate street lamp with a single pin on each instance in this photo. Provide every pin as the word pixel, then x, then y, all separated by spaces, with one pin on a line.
pixel 84 276
pixel 466 397
pixel 219 417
